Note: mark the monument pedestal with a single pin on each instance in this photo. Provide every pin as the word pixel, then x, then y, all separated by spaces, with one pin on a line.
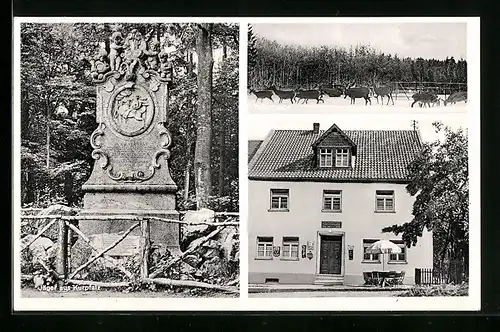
pixel 167 235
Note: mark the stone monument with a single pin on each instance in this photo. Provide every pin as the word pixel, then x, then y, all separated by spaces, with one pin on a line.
pixel 130 145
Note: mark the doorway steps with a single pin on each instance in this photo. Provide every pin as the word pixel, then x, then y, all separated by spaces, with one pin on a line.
pixel 329 279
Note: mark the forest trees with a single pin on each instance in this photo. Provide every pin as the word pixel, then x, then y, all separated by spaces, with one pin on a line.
pixel 203 177
pixel 440 181
pixel 294 66
pixel 58 108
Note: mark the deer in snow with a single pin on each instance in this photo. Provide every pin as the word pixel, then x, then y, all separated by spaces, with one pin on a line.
pixel 332 90
pixel 309 94
pixel 357 92
pixel 262 94
pixel 282 94
pixel 456 97
pixel 424 98
pixel 382 91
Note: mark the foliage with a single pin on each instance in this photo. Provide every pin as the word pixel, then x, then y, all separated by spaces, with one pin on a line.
pixel 252 50
pixel 58 106
pixel 437 290
pixel 291 66
pixel 440 181
pixel 216 203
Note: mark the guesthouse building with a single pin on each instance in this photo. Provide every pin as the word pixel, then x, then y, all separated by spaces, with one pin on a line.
pixel 319 198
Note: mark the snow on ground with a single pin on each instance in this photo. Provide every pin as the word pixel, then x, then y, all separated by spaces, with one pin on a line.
pixel 339 104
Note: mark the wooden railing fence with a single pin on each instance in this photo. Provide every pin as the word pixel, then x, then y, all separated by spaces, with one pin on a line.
pixel 62 257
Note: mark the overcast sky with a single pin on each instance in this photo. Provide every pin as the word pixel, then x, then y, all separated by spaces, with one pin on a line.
pixel 426 40
pixel 260 125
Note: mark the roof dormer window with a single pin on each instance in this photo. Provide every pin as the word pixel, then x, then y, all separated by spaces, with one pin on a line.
pixel 325 157
pixel 342 158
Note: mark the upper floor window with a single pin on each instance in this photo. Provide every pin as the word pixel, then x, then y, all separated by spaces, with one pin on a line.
pixel 385 201
pixel 401 257
pixel 290 248
pixel 342 158
pixel 279 199
pixel 332 200
pixel 325 157
pixel 264 247
pixel 369 257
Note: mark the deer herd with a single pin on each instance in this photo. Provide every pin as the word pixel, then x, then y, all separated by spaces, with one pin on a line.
pixel 422 99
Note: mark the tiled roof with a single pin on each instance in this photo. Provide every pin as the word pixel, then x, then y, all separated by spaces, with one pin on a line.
pixel 381 155
pixel 252 148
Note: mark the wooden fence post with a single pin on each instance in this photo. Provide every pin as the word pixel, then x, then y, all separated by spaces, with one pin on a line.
pixel 145 247
pixel 68 249
pixel 62 250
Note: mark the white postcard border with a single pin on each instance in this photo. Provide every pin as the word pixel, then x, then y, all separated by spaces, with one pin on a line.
pixel 471 302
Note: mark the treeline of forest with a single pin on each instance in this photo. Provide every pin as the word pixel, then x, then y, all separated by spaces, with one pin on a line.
pixel 58 110
pixel 295 66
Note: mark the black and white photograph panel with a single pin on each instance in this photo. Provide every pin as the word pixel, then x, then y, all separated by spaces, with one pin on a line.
pixel 127 146
pixel 360 206
pixel 357 67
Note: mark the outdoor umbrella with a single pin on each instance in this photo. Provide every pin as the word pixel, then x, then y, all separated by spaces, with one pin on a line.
pixel 383 247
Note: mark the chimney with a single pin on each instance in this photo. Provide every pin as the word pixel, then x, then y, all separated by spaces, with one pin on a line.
pixel 316 128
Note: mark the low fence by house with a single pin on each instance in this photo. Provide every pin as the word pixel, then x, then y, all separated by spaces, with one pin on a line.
pixel 456 275
pixel 65 226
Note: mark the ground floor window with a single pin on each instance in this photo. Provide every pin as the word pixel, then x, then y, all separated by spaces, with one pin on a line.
pixel 290 248
pixel 264 247
pixel 401 257
pixel 368 257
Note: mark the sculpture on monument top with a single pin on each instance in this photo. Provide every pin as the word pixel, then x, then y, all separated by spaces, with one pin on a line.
pixel 131 141
pixel 131 56
pixel 115 50
pixel 152 54
pixel 100 64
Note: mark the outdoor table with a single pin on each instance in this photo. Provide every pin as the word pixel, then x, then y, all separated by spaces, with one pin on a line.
pixel 386 276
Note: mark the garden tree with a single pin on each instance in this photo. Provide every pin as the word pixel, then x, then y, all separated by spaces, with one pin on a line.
pixel 440 181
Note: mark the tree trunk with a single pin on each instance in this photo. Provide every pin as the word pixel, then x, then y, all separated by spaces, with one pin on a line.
pixel 187 171
pixel 190 64
pixel 186 181
pixel 222 138
pixel 68 187
pixel 158 32
pixel 222 148
pixel 47 106
pixel 224 50
pixel 203 181
pixel 25 116
pixel 30 188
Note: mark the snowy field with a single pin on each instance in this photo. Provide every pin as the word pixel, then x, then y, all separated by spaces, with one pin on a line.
pixel 339 104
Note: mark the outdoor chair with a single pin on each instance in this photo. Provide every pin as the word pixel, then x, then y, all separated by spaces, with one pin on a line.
pixel 391 278
pixel 376 277
pixel 401 277
pixel 367 276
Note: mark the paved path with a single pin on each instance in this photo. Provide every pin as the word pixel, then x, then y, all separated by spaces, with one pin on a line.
pixel 323 294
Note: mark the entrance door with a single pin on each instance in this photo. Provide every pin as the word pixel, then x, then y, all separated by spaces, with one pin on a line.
pixel 330 255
